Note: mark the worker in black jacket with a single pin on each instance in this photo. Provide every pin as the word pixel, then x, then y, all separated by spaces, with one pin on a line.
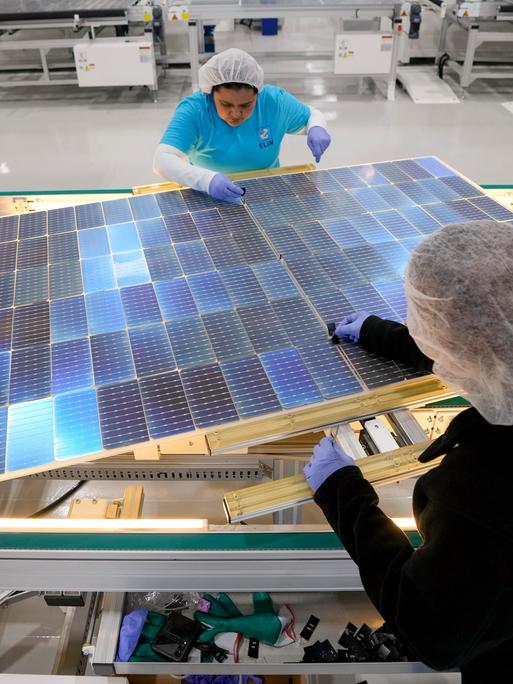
pixel 451 600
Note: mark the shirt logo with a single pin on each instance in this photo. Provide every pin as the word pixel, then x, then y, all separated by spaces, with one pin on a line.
pixel 265 137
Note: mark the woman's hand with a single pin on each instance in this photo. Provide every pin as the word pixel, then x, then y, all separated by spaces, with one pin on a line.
pixel 318 140
pixel 221 188
pixel 326 459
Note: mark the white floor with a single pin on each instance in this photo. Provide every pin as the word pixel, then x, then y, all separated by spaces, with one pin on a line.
pixel 63 137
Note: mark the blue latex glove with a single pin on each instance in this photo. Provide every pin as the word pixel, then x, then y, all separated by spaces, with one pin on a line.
pixel 221 188
pixel 129 634
pixel 326 459
pixel 318 140
pixel 350 326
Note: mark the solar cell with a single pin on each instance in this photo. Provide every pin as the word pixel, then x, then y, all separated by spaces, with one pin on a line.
pixel 112 358
pixel 290 378
pixel 227 335
pixel 31 285
pixel 32 225
pixel 105 312
pixel 162 263
pixel 242 286
pixel 123 237
pixel 175 299
pixel 9 228
pixel 209 292
pixel 190 342
pixel 6 290
pixel 122 417
pixel 194 257
pixel 151 350
pixel 71 366
pixel 263 327
pixel 117 211
pixel 249 386
pixel 165 406
pixel 140 305
pixel 61 220
pixel 274 280
pixel 330 371
pixel 77 425
pixel 208 395
pixel 66 278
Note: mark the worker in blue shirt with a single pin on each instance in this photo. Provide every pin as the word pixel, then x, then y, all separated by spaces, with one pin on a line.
pixel 233 123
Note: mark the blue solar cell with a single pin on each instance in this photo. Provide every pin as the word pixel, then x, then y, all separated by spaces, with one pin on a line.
pixel 411 243
pixel 209 292
pixel 196 201
pixel 391 172
pixel 290 378
pixel 344 204
pixel 366 298
pixel 5 329
pixel 227 335
pixel 396 224
pixel 438 189
pixel 6 290
pixel 93 243
pixel 374 370
pixel 236 217
pixel 163 263
pixel 370 229
pixel 209 223
pixel 370 199
pixel 249 386
pixel 224 252
pixel 324 181
pixel 331 305
pixel 63 247
pixel 31 285
pixel 112 358
pixel 417 192
pixel 32 252
pixel 98 274
pixel 8 228
pixel 493 208
pixel 34 418
pixel 287 242
pixel 443 213
pixel 395 256
pixel 393 294
pixel 68 319
pixel 151 350
pixel 194 257
pixel 71 366
pixel 165 405
pixel 414 170
pixel 105 312
pixel 190 342
pixel 175 299
pixel 8 252
pixel 153 232
pixel 368 260
pixel 3 438
pixel 144 207
pixel 30 375
pixel 434 167
pixel 253 246
pixel 421 220
pixel 323 207
pixel 123 237
pixel 5 365
pixel 347 178
pixel 394 196
pixel 274 280
pixel 265 188
pixel 32 225
pixel 121 415
pixel 369 174
pixel 315 237
pixel 330 371
pixel 296 315
pixel 242 286
pixel 171 203
pixel 89 215
pixel 66 279
pixel 468 211
pixel 61 220
pixel 141 305
pixel 462 187
pixel 299 183
pixel 340 269
pixel 263 327
pixel 344 234
pixel 309 274
pixel 117 211
pixel 131 268
pixel 208 396
pixel 31 325
pixel 77 425
pixel 181 228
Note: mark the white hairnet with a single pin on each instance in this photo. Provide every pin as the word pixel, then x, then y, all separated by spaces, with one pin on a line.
pixel 459 287
pixel 231 66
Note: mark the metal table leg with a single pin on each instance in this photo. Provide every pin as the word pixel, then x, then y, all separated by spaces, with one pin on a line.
pixel 194 54
pixel 470 51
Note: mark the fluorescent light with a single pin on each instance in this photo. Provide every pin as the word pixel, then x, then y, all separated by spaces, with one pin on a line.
pixel 102 525
pixel 405 523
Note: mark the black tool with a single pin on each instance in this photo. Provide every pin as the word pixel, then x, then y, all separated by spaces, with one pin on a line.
pixel 415 21
pixel 331 332
pixel 176 637
pixel 320 652
pixel 309 628
pixel 253 648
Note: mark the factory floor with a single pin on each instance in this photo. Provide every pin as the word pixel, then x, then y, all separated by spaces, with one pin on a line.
pixel 64 137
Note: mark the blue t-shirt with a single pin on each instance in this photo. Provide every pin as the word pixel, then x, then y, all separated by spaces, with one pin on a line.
pixel 197 130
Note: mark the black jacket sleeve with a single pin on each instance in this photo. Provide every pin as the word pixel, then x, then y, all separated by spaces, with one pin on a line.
pixel 428 596
pixel 391 339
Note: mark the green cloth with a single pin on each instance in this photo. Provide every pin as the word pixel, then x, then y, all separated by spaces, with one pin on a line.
pixel 143 652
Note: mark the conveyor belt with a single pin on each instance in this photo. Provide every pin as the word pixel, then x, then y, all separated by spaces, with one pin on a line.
pixel 25 10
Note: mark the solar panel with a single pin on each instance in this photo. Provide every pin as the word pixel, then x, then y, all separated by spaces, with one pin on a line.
pixel 158 315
